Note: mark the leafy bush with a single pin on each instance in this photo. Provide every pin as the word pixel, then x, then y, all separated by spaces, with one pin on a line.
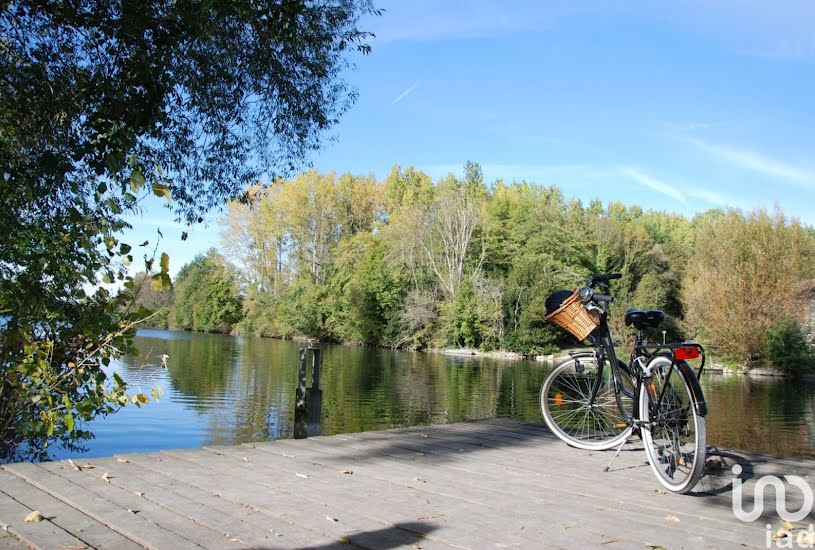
pixel 790 348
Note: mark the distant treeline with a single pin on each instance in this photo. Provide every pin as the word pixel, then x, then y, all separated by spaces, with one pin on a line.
pixel 411 263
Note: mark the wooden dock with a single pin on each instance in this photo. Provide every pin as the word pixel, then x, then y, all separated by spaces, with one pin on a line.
pixel 482 484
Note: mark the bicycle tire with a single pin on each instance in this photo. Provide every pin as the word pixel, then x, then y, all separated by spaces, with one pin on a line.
pixel 564 400
pixel 674 435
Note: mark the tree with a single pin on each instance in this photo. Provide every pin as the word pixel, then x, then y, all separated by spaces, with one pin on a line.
pixel 365 292
pixel 748 274
pixel 206 295
pixel 447 229
pixel 105 102
pixel 157 300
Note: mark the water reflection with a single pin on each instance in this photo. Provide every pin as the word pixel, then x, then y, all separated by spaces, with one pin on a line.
pixel 220 389
pixel 766 414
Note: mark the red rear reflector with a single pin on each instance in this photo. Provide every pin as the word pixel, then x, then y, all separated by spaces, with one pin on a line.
pixel 683 354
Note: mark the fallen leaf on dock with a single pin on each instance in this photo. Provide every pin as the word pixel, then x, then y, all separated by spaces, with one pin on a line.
pixel 74 466
pixel 120 459
pixel 672 518
pixel 304 476
pixel 34 517
pixel 105 478
pixel 329 518
pixel 346 472
pixel 139 494
pixel 787 525
pixel 713 465
pixel 420 480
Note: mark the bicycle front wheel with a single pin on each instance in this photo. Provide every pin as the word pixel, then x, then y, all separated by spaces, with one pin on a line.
pixel 565 397
pixel 673 431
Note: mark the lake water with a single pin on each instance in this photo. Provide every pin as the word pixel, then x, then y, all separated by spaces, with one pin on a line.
pixel 223 389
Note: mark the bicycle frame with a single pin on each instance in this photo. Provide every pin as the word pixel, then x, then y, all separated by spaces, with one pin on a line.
pixel 604 350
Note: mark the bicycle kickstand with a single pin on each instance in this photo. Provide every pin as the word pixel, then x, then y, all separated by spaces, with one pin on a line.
pixel 616 454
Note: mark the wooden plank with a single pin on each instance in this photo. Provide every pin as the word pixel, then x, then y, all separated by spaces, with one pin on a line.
pixel 493 483
pixel 10 542
pixel 43 534
pixel 641 488
pixel 628 468
pixel 760 464
pixel 232 519
pixel 92 503
pixel 85 528
pixel 493 480
pixel 383 500
pixel 629 477
pixel 486 490
pixel 307 511
pixel 465 494
pixel 91 479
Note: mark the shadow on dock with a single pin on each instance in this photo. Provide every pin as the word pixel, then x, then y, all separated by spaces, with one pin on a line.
pixel 395 536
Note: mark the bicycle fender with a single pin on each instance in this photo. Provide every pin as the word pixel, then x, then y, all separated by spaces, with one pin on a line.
pixel 695 387
pixel 579 353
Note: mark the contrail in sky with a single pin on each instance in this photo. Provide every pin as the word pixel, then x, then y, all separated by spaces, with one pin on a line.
pixel 404 94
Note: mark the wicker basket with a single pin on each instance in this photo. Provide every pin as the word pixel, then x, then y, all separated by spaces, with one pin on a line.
pixel 573 317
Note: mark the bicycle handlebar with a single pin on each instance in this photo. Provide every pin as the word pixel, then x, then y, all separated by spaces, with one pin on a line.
pixel 602 278
pixel 602 298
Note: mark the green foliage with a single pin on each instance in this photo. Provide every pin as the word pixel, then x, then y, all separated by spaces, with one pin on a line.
pixel 747 274
pixel 407 262
pixel 789 348
pixel 155 298
pixel 105 104
pixel 206 296
pixel 366 292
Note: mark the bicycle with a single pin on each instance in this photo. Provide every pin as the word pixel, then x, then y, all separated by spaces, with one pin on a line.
pixel 593 401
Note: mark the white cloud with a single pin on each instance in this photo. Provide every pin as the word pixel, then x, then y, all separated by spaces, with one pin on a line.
pixel 759 163
pixel 405 93
pixel 653 183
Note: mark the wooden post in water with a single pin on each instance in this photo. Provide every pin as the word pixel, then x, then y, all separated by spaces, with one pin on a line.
pixel 300 402
pixel 308 402
pixel 314 395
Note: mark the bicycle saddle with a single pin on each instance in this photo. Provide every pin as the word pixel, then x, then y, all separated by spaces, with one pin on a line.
pixel 644 319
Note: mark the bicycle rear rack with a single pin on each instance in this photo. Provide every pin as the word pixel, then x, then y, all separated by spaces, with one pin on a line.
pixel 650 350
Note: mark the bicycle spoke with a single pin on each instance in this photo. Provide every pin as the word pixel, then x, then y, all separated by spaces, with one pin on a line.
pixel 673 442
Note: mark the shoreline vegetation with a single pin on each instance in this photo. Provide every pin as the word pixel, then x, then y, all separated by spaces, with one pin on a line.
pixel 457 263
pixel 726 367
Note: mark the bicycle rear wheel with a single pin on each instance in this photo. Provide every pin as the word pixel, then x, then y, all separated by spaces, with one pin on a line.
pixel 565 405
pixel 673 431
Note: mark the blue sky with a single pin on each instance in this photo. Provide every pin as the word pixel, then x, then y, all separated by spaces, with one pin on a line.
pixel 679 106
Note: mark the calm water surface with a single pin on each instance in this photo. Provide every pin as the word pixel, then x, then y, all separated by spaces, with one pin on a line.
pixel 223 389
